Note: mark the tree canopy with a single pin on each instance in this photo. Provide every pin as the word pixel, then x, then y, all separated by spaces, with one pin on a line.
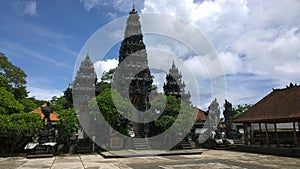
pixel 16 128
pixel 8 103
pixel 239 110
pixel 172 109
pixel 15 77
pixel 103 108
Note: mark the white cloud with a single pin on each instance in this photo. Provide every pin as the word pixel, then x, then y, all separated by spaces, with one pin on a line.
pixel 231 62
pixel 90 4
pixel 257 42
pixel 257 38
pixel 117 5
pixel 105 66
pixel 43 93
pixel 26 7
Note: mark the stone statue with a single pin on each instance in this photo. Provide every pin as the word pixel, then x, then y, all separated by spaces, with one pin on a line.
pixel 47 112
pixel 228 115
pixel 213 116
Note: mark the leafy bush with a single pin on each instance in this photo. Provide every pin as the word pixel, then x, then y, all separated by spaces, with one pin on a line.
pixel 8 103
pixel 17 128
pixel 67 121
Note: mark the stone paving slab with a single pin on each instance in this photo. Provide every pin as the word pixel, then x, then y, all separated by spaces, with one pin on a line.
pixel 209 159
pixel 142 153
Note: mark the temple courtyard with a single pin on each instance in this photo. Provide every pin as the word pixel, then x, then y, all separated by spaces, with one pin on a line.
pixel 208 159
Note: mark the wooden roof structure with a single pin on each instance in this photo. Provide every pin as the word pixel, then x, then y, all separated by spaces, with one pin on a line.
pixel 279 106
pixel 199 114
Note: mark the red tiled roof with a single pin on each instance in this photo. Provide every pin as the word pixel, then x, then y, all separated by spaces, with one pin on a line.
pixel 199 114
pixel 281 105
pixel 53 116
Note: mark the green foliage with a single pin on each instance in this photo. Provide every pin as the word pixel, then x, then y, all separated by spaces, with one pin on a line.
pixel 37 102
pixel 15 77
pixel 165 122
pixel 67 121
pixel 107 107
pixel 173 109
pixel 67 116
pixel 28 104
pixel 8 104
pixel 239 110
pixel 17 127
pixel 57 103
pixel 68 98
pixel 108 76
pixel 170 105
pixel 105 82
pixel 185 119
pixel 104 104
pixel 4 82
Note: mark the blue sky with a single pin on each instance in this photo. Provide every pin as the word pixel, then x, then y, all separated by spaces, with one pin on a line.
pixel 258 43
pixel 45 37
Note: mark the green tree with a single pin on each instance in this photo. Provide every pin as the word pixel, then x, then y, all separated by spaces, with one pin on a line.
pixel 8 104
pixel 105 103
pixel 108 76
pixel 239 110
pixel 15 77
pixel 106 80
pixel 58 103
pixel 164 122
pixel 67 121
pixel 173 109
pixel 68 98
pixel 17 129
pixel 28 104
pixel 4 82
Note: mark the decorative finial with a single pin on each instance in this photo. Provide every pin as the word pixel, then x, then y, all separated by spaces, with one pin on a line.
pixel 133 11
pixel 173 65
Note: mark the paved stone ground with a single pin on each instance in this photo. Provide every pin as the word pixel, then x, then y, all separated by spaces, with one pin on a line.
pixel 209 159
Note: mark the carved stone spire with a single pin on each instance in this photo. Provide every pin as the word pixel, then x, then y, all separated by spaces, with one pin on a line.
pixel 133 38
pixel 133 65
pixel 86 75
pixel 175 86
pixel 83 91
pixel 132 78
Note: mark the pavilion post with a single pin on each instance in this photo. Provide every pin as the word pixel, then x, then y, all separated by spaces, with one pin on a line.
pixel 295 133
pixel 245 133
pixel 299 128
pixel 276 135
pixel 250 133
pixel 260 133
pixel 267 135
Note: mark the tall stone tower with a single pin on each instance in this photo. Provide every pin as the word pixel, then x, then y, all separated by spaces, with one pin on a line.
pixel 175 85
pixel 84 91
pixel 133 79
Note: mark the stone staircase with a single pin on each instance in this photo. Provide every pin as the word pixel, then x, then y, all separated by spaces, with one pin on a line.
pixel 238 141
pixel 184 144
pixel 141 144
pixel 43 150
pixel 84 146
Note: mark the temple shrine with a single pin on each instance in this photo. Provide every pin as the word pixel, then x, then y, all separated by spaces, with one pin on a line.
pixel 133 78
pixel 175 85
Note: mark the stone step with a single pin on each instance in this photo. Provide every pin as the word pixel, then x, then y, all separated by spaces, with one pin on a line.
pixel 84 146
pixel 41 151
pixel 141 144
pixel 184 145
pixel 238 142
pixel 39 155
